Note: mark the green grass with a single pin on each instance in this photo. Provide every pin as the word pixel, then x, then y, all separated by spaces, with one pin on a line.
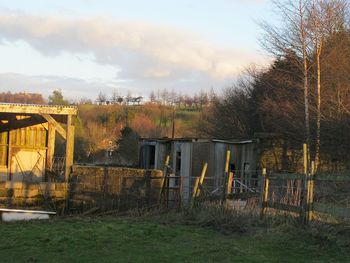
pixel 127 240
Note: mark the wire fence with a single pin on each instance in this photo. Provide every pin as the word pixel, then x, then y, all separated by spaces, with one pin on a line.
pixel 323 197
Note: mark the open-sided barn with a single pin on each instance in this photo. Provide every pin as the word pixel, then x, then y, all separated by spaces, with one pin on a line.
pixel 27 140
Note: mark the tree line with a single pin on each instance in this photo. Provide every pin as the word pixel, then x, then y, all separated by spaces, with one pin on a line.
pixel 304 95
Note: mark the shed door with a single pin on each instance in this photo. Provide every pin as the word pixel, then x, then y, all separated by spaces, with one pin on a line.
pixel 28 153
pixel 28 165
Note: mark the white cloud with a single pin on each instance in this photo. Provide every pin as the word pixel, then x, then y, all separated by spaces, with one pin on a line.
pixel 134 46
pixel 145 56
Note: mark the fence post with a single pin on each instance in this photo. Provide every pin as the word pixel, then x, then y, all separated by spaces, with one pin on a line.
pixel 310 193
pixel 264 192
pixel 226 174
pixel 198 184
pixel 229 183
pixel 305 192
pixel 201 181
pixel 164 179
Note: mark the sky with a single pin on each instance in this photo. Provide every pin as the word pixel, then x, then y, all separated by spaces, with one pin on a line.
pixel 84 47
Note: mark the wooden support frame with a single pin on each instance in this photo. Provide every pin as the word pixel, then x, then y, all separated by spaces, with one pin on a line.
pixel 69 147
pixel 51 139
pixel 57 126
pixel 18 124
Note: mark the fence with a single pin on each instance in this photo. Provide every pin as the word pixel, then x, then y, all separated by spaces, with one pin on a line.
pixel 325 197
pixel 112 188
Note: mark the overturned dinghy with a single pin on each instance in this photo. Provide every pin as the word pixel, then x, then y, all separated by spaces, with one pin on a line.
pixel 8 215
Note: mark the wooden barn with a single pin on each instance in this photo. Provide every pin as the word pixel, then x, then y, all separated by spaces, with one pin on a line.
pixel 28 137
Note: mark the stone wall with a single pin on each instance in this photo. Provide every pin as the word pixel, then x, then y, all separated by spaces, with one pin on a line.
pixel 48 196
pixel 99 187
pixel 109 188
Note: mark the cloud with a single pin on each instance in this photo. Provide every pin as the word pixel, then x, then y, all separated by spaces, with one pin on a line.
pixel 141 50
pixel 72 88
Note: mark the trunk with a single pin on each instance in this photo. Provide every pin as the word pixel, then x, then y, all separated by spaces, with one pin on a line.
pixel 305 73
pixel 318 131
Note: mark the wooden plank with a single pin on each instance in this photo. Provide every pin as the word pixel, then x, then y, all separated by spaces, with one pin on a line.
pixel 333 177
pixel 69 147
pixel 337 211
pixel 283 207
pixel 38 109
pixel 286 176
pixel 58 126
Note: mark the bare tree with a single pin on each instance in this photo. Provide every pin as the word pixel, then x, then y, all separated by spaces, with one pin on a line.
pixel 101 98
pixel 325 18
pixel 292 37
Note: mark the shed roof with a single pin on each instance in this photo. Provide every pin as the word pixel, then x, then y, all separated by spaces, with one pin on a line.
pixel 165 140
pixel 37 109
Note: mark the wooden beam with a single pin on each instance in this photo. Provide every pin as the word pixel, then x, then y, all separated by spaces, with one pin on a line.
pixel 58 126
pixel 37 109
pixel 22 123
pixel 69 147
pixel 50 146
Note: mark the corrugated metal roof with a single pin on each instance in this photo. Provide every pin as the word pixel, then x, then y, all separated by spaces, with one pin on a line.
pixel 196 140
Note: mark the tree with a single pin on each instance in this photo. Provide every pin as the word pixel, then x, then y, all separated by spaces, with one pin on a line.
pixel 293 37
pixel 21 97
pixel 325 18
pixel 115 97
pixel 152 97
pixel 57 98
pixel 101 98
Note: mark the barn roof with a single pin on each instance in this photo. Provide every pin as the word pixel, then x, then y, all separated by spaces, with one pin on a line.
pixel 37 109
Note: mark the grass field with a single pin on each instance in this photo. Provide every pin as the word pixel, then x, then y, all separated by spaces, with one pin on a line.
pixel 130 240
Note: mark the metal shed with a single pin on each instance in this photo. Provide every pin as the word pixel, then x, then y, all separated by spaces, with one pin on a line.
pixel 188 155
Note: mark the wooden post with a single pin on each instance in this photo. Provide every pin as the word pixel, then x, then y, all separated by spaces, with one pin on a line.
pixel 194 194
pixel 228 155
pixel 305 197
pixel 164 178
pixel 229 183
pixel 226 174
pixel 310 193
pixel 51 138
pixel 201 180
pixel 69 147
pixel 264 192
pixel 305 152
